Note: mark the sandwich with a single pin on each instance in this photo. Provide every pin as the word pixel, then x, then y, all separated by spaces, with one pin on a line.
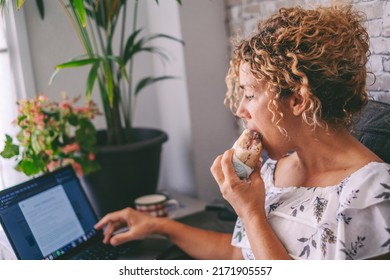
pixel 247 151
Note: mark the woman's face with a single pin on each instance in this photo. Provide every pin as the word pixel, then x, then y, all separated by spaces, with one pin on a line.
pixel 254 111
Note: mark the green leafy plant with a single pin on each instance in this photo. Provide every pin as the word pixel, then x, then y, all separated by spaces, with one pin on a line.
pixel 52 135
pixel 96 22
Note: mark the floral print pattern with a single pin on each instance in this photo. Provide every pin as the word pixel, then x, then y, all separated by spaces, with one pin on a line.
pixel 319 207
pixel 351 252
pixel 385 194
pixel 350 220
pixel 300 209
pixel 327 236
pixel 387 243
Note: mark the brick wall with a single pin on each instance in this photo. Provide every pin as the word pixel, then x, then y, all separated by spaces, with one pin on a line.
pixel 242 16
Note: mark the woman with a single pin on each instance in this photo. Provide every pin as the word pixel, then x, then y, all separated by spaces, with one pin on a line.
pixel 298 81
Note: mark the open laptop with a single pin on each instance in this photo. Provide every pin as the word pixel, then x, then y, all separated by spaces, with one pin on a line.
pixel 50 217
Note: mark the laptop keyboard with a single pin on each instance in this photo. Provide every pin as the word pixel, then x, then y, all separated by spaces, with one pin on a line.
pixel 104 252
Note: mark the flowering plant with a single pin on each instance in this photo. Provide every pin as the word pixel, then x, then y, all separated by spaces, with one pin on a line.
pixel 53 135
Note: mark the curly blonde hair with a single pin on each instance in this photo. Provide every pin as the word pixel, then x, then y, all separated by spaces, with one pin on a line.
pixel 320 54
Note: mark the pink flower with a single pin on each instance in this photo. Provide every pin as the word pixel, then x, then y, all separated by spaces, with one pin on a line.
pixel 26 133
pixel 53 165
pixel 85 109
pixel 49 152
pixel 91 156
pixel 74 147
pixel 42 98
pixel 64 105
pixel 77 167
pixel 39 118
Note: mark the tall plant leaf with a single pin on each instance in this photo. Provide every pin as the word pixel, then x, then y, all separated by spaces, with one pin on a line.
pixel 77 63
pixel 80 10
pixel 159 35
pixel 109 82
pixel 91 79
pixel 122 65
pixel 150 80
pixel 133 47
pixel 41 8
pixel 130 45
pixel 19 4
pixel 179 1
pixel 71 64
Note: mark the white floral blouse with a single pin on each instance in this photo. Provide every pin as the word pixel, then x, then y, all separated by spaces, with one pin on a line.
pixel 350 220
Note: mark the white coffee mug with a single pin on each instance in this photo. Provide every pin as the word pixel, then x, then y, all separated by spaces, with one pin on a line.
pixel 157 205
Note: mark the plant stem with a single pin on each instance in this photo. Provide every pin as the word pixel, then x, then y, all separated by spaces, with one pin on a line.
pixel 121 50
pixel 123 29
pixel 131 65
pixel 97 28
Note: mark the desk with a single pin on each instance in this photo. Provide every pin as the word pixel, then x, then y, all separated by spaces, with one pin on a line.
pixel 206 219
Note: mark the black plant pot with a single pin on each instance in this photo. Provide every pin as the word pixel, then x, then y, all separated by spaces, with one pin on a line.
pixel 127 171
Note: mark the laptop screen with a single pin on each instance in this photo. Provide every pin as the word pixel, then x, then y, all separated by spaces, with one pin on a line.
pixel 45 217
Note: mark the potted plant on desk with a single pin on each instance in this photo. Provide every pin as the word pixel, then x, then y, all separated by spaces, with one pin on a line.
pixel 129 157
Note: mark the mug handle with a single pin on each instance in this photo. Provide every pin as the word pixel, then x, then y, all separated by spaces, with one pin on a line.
pixel 172 206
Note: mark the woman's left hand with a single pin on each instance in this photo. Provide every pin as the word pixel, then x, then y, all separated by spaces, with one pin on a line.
pixel 247 196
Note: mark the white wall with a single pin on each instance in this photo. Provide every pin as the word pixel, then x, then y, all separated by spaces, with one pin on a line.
pixel 206 59
pixel 190 108
pixel 172 97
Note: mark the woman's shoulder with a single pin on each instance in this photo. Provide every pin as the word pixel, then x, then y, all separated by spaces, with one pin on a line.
pixel 372 172
pixel 369 185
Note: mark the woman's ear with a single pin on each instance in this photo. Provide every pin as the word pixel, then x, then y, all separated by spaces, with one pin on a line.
pixel 298 103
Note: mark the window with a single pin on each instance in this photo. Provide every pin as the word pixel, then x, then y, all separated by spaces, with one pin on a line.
pixel 12 84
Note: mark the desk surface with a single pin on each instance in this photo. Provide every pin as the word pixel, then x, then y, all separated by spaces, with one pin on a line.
pixel 207 219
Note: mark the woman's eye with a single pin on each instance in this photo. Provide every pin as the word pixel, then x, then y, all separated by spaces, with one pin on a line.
pixel 249 97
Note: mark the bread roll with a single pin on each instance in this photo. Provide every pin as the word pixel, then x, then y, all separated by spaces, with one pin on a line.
pixel 248 148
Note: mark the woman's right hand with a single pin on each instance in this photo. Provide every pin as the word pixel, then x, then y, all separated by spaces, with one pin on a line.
pixel 140 225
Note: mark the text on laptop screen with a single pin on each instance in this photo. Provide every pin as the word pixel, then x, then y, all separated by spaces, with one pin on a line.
pixel 47 216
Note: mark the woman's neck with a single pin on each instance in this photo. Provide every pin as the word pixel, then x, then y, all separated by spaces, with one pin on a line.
pixel 322 158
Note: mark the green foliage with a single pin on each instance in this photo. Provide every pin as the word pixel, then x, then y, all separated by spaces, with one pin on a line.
pixel 10 150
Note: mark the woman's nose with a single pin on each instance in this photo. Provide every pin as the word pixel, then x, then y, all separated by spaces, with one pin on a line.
pixel 242 112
